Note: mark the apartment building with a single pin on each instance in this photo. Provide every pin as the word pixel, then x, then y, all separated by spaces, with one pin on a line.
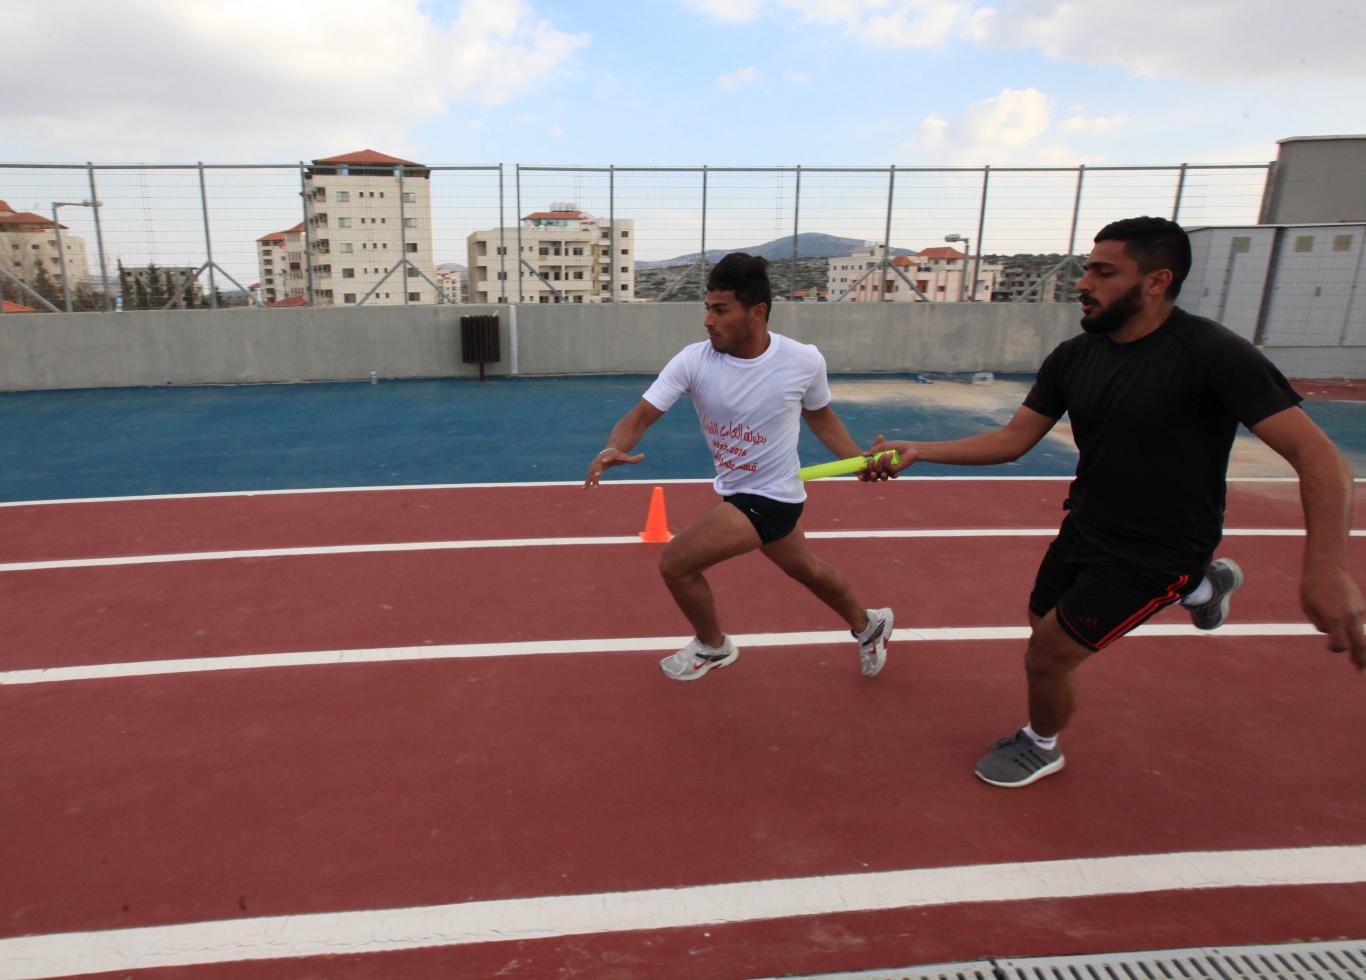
pixel 567 256
pixel 280 258
pixel 364 214
pixel 938 274
pixel 451 278
pixel 28 243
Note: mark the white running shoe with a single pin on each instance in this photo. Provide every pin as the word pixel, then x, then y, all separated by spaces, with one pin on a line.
pixel 872 643
pixel 695 659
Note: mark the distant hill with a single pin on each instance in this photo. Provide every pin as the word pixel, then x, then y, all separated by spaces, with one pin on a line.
pixel 810 245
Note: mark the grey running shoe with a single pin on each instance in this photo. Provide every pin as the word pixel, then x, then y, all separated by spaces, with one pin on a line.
pixel 694 660
pixel 1017 761
pixel 872 645
pixel 1227 578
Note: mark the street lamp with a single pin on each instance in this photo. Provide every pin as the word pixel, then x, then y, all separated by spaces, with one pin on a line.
pixel 967 251
pixel 61 254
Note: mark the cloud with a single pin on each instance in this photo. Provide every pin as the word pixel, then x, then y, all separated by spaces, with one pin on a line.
pixel 1094 124
pixel 270 81
pixel 1210 40
pixel 730 11
pixel 738 78
pixel 876 23
pixel 995 130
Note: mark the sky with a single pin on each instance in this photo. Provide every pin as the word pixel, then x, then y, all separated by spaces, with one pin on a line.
pixel 678 82
pixel 869 84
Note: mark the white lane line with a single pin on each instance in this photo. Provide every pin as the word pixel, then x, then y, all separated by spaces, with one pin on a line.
pixel 515 920
pixel 532 648
pixel 359 549
pixel 390 488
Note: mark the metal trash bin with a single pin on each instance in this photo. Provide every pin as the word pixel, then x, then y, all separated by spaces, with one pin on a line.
pixel 479 343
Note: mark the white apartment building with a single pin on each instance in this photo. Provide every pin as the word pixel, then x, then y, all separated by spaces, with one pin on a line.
pixel 365 213
pixel 938 273
pixel 570 256
pixel 451 278
pixel 28 242
pixel 280 258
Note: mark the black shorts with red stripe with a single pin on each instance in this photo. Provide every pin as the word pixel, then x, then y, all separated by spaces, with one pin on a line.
pixel 1099 597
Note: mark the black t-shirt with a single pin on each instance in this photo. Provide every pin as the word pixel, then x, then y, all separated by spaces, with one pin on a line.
pixel 1154 422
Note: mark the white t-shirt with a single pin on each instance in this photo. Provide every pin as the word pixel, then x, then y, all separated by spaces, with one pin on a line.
pixel 750 410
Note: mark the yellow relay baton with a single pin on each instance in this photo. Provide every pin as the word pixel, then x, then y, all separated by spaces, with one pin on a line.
pixel 840 467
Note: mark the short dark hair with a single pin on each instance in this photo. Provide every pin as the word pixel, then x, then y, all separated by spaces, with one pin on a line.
pixel 744 275
pixel 1154 243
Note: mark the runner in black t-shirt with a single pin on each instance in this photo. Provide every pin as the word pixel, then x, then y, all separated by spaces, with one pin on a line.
pixel 1154 396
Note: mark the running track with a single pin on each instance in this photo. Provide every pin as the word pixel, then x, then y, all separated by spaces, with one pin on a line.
pixel 421 732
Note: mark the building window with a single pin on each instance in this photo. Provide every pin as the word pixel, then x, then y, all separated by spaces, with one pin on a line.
pixel 345 222
pixel 625 251
pixel 412 246
pixel 625 268
pixel 623 287
pixel 1241 243
pixel 1342 243
pixel 1304 243
pixel 348 273
pixel 409 197
pixel 348 297
pixel 625 234
pixel 414 297
pixel 347 247
pixel 343 196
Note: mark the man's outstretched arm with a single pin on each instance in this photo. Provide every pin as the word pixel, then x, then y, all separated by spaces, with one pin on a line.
pixel 1328 594
pixel 1010 442
pixel 829 429
pixel 623 438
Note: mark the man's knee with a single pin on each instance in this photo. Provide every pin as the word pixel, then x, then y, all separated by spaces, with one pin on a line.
pixel 673 567
pixel 1051 652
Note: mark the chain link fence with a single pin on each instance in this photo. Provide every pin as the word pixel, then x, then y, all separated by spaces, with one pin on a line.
pixel 190 232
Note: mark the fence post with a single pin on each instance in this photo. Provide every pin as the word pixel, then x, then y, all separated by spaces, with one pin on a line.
pixel 308 237
pixel 887 237
pixel 518 183
pixel 1180 187
pixel 796 220
pixel 611 233
pixel 99 239
pixel 1076 211
pixel 703 257
pixel 403 233
pixel 502 242
pixel 208 245
pixel 981 226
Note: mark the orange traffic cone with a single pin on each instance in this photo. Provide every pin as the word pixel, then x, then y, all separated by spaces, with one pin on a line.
pixel 657 522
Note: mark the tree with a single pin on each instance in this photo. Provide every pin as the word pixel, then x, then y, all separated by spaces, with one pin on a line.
pixel 44 285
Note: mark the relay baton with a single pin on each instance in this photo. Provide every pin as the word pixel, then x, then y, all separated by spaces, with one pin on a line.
pixel 839 467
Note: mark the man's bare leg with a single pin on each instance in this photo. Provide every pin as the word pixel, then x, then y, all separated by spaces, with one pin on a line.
pixel 722 532
pixel 794 556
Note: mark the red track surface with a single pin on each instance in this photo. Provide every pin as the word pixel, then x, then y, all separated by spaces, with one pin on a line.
pixel 211 796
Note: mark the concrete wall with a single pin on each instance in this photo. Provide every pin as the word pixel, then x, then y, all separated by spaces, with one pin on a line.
pixel 99 350
pixel 94 350
pixel 1318 179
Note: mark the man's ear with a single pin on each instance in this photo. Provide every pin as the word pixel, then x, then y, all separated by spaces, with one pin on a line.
pixel 1159 283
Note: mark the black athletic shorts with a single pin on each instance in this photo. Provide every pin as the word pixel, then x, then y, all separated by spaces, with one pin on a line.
pixel 773 519
pixel 1099 597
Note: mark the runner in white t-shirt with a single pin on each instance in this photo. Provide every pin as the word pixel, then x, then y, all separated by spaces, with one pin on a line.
pixel 751 389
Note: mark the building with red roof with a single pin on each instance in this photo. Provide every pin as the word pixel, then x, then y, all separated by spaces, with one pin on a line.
pixel 29 251
pixel 366 235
